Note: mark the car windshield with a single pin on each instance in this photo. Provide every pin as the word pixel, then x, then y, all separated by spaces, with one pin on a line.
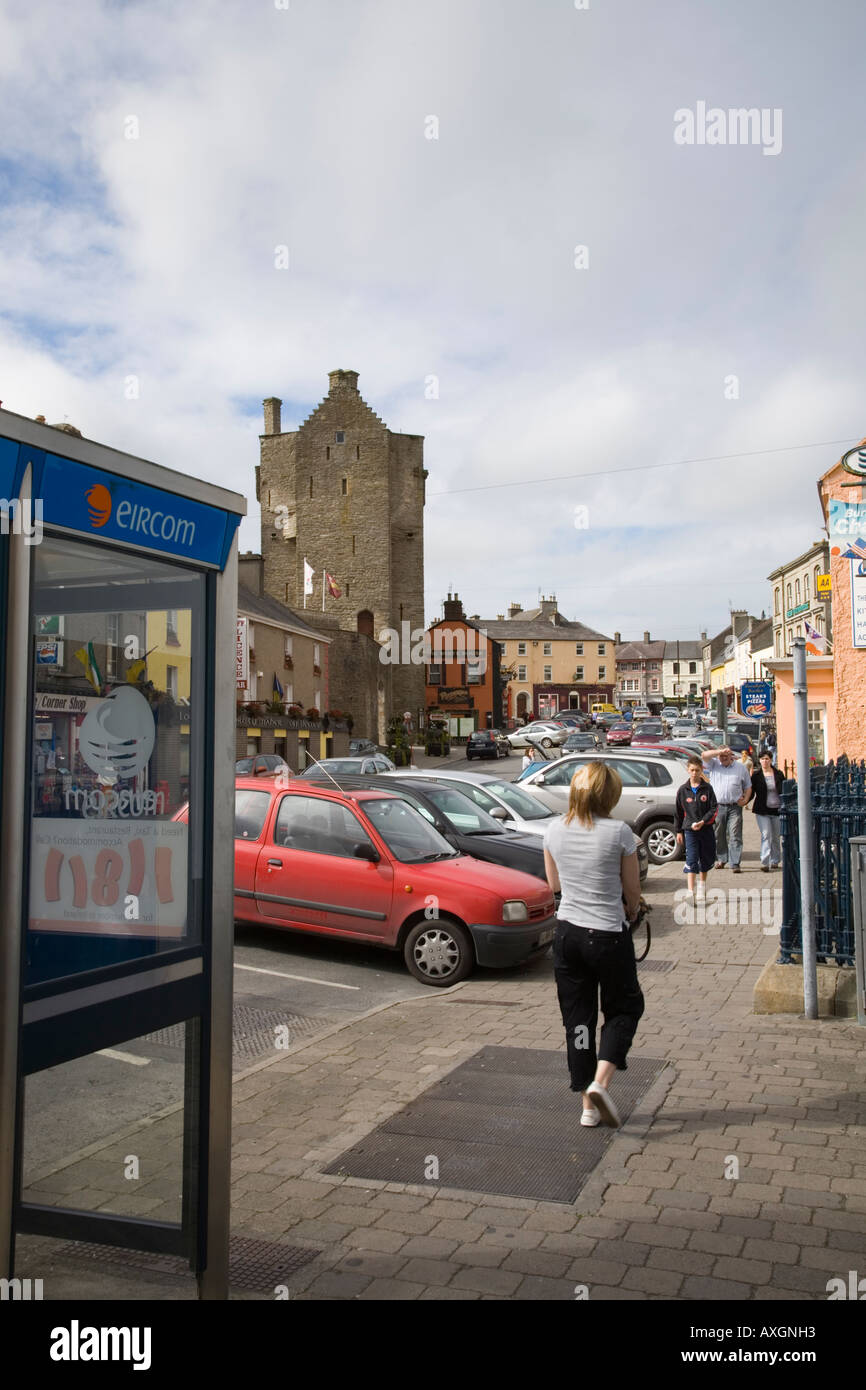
pixel 524 805
pixel 405 831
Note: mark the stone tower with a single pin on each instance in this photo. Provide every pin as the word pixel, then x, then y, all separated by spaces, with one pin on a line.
pixel 347 494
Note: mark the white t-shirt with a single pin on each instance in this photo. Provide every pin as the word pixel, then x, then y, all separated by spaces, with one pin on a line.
pixel 589 864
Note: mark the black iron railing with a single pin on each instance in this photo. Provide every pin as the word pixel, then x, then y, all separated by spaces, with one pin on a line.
pixel 838 813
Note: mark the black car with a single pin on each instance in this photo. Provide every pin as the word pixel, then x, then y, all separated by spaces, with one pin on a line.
pixel 579 743
pixel 487 743
pixel 466 825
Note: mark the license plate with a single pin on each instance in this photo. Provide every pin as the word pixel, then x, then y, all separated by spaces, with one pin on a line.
pixel 546 936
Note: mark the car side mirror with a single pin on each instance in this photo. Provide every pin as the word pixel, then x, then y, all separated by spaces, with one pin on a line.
pixel 500 813
pixel 366 851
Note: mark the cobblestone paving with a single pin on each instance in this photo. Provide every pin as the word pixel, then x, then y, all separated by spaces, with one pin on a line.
pixel 742 1176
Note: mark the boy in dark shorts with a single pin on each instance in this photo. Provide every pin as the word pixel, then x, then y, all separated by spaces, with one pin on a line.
pixel 695 817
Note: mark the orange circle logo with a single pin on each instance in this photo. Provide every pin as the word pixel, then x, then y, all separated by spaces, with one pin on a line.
pixel 98 504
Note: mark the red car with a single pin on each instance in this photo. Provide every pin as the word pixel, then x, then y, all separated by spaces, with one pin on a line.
pixel 366 866
pixel 620 734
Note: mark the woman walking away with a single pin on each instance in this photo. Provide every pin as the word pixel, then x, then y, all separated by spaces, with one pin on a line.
pixel 767 791
pixel 593 861
pixel 695 817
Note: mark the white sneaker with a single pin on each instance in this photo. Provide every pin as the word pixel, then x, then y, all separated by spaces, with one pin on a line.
pixel 590 1118
pixel 604 1105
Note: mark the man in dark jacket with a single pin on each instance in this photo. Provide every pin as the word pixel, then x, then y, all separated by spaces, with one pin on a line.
pixel 696 809
pixel 767 793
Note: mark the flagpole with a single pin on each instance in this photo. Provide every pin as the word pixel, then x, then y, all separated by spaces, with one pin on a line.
pixel 323 591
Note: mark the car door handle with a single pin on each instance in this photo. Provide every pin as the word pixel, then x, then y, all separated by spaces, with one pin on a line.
pixel 275 863
pixel 646 798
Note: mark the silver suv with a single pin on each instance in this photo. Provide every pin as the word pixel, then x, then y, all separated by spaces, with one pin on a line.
pixel 648 801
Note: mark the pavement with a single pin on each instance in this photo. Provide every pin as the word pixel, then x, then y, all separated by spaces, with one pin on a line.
pixel 741 1175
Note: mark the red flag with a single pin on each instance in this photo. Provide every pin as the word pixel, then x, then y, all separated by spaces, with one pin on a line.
pixel 333 588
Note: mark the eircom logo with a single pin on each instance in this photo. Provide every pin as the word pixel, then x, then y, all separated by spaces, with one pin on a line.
pixel 98 504
pixel 135 516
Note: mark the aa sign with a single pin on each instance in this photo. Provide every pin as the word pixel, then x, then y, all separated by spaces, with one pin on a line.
pixel 110 878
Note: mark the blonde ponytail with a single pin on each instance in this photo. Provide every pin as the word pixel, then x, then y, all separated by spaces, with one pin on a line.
pixel 595 790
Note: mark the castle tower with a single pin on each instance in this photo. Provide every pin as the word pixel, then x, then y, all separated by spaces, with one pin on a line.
pixel 347 494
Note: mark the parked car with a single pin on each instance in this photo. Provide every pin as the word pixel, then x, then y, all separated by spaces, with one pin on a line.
pixel 576 742
pixel 641 712
pixel 331 862
pixel 487 743
pixel 607 721
pixel 263 764
pixel 643 737
pixel 504 801
pixel 548 734
pixel 574 721
pixel 647 804
pixel 684 728
pixel 461 820
pixel 735 741
pixel 670 713
pixel 619 735
pixel 339 767
pixel 359 746
pixel 653 725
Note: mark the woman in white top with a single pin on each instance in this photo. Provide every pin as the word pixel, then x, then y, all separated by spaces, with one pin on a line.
pixel 592 860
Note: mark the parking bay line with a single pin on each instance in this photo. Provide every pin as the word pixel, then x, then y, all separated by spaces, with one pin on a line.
pixel 124 1057
pixel 305 979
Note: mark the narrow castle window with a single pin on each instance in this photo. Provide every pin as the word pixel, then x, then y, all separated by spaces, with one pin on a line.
pixel 311 484
pixel 339 437
pixel 353 545
pixel 344 486
pixel 327 451
pixel 357 451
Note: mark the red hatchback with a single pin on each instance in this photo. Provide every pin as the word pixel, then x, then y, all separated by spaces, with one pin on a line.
pixel 619 734
pixel 366 866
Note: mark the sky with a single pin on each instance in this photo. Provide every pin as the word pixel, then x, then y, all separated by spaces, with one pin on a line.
pixel 631 358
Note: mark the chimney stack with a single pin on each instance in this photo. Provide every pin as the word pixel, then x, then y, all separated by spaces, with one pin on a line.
pixel 617 640
pixel 452 608
pixel 646 637
pixel 514 609
pixel 342 383
pixel 272 415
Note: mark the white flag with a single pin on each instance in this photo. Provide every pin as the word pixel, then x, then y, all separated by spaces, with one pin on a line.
pixel 308 577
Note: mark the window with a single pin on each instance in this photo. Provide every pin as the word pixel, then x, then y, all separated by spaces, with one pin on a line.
pixel 171 681
pixel 693 688
pixel 112 639
pixel 521 649
pixel 602 673
pixel 521 673
pixel 339 437
pixel 797 598
pixel 316 656
pixel 251 811
pixel 778 599
pixel 578 649
pixel 357 451
pixel 676 668
pixel 655 683
pixel 474 672
pixel 790 638
pixel 344 486
pixel 288 693
pixel 318 826
pixel 548 649
pixel 815 727
pixel 816 572
pixel 633 773
pixel 693 666
pixel 578 675
pixel 171 636
pixel 548 673
pixel 790 599
pixel 434 675
pixel 601 649
pixel 353 545
pixel 779 642
pixel 311 476
pixel 806 593
pixel 288 642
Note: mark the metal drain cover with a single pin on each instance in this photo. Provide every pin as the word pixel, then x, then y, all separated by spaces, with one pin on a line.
pixel 661 965
pixel 255 1265
pixel 504 1122
pixel 253 1031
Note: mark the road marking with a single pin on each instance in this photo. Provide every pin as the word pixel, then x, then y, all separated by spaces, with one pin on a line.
pixel 305 979
pixel 124 1057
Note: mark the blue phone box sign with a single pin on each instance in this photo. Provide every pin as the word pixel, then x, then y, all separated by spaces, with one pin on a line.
pixel 108 507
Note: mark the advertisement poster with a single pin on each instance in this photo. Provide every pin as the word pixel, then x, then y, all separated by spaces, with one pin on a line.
pixel 109 877
pixel 243 655
pixel 858 604
pixel 756 698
